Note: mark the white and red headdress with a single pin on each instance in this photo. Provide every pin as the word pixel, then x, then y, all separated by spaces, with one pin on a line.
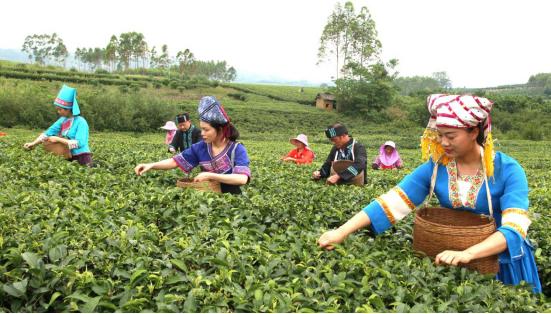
pixel 457 111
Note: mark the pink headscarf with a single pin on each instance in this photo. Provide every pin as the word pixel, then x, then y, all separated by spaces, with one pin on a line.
pixel 386 159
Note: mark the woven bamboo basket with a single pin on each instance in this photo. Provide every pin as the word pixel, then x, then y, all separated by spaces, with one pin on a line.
pixel 341 165
pixel 207 186
pixel 437 229
pixel 59 149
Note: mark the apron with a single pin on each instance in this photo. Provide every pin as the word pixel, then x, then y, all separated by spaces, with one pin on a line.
pixel 341 165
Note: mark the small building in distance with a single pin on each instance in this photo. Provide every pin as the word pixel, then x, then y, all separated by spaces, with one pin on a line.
pixel 326 101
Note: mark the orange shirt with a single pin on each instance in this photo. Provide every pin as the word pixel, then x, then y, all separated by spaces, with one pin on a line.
pixel 306 156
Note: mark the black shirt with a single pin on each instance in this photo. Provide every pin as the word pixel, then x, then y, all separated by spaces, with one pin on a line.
pixel 183 140
pixel 353 151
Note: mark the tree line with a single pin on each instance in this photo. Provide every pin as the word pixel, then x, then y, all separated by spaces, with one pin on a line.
pixel 364 83
pixel 127 53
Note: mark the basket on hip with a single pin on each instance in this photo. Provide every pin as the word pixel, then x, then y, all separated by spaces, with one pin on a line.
pixel 437 229
pixel 59 149
pixel 207 186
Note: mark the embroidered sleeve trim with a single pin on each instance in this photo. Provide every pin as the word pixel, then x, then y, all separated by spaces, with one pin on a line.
pixel 182 163
pixel 242 170
pixel 516 227
pixel 352 170
pixel 387 211
pixel 519 211
pixel 404 197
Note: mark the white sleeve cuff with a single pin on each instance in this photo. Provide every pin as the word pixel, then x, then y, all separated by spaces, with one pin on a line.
pixel 73 144
pixel 42 137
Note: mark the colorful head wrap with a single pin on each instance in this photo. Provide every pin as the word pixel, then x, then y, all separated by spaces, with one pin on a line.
pixel 210 110
pixel 335 130
pixel 182 117
pixel 457 111
pixel 67 99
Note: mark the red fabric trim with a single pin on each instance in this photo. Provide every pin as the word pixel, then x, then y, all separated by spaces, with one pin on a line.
pixel 63 102
pixel 481 105
pixel 468 110
pixel 442 125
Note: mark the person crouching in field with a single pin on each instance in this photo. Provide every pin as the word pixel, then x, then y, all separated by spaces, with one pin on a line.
pixel 466 175
pixel 388 157
pixel 170 128
pixel 219 155
pixel 186 134
pixel 302 153
pixel 70 130
pixel 347 161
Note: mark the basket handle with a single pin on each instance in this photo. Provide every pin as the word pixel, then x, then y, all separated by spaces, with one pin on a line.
pixel 432 182
pixel 488 195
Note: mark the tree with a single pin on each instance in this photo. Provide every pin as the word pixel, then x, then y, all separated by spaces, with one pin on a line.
pixel 332 37
pixel 371 93
pixel 164 59
pixel 366 46
pixel 125 49
pixel 185 61
pixel 349 38
pixel 110 55
pixel 442 79
pixel 96 57
pixel 231 74
pixel 43 48
pixel 153 58
pixel 417 84
pixel 367 84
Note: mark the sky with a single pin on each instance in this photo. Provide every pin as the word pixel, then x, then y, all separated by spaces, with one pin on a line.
pixel 478 43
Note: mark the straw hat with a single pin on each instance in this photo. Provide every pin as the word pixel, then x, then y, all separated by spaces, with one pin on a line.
pixel 301 138
pixel 169 126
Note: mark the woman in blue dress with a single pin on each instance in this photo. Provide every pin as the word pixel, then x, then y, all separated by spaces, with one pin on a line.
pixel 458 144
pixel 219 155
pixel 71 129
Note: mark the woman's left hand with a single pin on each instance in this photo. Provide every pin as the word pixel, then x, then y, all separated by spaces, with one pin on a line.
pixel 453 258
pixel 203 176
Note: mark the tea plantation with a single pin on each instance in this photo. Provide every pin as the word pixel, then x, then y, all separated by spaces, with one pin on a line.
pixel 102 239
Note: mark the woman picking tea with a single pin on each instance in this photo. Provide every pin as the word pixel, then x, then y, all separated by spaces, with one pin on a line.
pixel 457 144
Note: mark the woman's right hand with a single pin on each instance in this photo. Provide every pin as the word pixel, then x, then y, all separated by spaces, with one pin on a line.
pixel 329 238
pixel 316 175
pixel 28 145
pixel 142 168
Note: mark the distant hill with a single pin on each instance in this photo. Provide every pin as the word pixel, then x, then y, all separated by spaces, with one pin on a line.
pixel 13 55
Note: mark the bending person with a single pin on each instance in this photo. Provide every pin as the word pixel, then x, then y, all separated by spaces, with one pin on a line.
pixel 186 134
pixel 388 157
pixel 71 129
pixel 219 155
pixel 302 154
pixel 347 160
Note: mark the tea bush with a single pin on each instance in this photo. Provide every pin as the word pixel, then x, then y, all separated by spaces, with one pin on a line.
pixel 102 239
